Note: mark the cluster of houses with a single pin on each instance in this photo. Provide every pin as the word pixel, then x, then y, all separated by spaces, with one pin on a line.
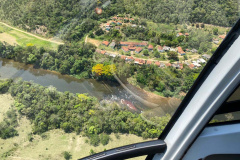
pixel 117 22
pixel 216 40
pixel 182 34
pixel 139 61
pixel 139 46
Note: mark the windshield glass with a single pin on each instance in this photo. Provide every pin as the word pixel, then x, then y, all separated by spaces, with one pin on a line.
pixel 83 76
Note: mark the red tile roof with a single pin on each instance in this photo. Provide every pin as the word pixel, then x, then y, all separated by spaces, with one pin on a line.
pixel 222 36
pixel 180 34
pixel 108 24
pixel 160 48
pixel 125 49
pixel 114 18
pixel 150 46
pixel 191 66
pixel 106 43
pixel 157 63
pixel 103 52
pixel 141 61
pixel 181 65
pixel 131 47
pixel 168 64
pixel 149 62
pixel 139 49
pixel 123 57
pixel 186 34
pixel 180 50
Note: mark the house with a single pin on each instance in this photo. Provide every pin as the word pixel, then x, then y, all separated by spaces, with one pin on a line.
pixel 131 48
pixel 196 64
pixel 106 43
pixel 137 44
pixel 103 52
pixel 173 49
pixel 186 34
pixel 222 36
pixel 142 62
pixel 113 22
pixel 168 64
pixel 191 66
pixel 117 27
pixel 149 62
pixel 179 65
pixel 150 47
pixel 114 18
pixel 131 19
pixel 157 63
pixel 125 49
pixel 126 19
pixel 134 25
pixel 138 50
pixel 206 56
pixel 179 34
pixel 202 60
pixel 129 59
pixel 108 25
pixel 215 41
pixel 113 55
pixel 180 51
pixel 119 23
pixel 174 65
pixel 123 57
pixel 137 60
pixel 166 48
pixel 112 45
pixel 162 65
pixel 194 50
pixel 160 49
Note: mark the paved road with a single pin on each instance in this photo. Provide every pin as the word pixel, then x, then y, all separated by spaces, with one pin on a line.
pixel 44 39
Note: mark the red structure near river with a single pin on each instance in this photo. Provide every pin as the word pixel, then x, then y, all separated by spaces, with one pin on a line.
pixel 129 104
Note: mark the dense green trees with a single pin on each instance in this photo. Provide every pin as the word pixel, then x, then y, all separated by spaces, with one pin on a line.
pixel 223 13
pixel 74 58
pixel 71 20
pixel 49 109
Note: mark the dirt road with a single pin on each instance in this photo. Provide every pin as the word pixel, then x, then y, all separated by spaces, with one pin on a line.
pixel 44 39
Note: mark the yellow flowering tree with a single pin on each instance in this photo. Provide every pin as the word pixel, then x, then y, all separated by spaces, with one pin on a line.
pixel 104 70
pixel 98 69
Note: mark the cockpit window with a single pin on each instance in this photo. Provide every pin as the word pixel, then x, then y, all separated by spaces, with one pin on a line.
pixel 83 76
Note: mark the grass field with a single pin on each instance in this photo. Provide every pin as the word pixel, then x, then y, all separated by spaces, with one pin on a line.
pixel 16 37
pixel 53 143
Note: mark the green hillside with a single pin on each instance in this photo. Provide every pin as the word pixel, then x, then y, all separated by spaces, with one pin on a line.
pixel 72 19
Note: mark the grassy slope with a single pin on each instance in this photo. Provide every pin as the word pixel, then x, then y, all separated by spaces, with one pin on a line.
pixel 23 39
pixel 56 141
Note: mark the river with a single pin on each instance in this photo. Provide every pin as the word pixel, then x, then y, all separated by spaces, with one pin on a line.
pixel 142 100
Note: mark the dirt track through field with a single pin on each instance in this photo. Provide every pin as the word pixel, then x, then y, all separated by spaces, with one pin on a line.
pixel 44 39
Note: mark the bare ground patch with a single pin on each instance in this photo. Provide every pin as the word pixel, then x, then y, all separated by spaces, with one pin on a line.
pixel 8 38
pixel 94 41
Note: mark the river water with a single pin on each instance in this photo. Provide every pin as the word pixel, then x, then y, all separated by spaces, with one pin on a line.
pixel 142 100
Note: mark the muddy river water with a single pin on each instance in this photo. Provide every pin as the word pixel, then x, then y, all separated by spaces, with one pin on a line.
pixel 142 100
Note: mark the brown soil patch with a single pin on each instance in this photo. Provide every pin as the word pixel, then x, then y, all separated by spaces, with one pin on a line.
pixel 94 41
pixel 8 38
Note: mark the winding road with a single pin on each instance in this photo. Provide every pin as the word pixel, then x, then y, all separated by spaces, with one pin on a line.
pixel 44 39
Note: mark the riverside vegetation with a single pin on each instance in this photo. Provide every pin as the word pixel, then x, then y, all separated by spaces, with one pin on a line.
pixel 48 109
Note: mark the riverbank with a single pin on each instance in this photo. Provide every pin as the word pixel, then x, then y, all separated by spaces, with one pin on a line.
pixel 51 144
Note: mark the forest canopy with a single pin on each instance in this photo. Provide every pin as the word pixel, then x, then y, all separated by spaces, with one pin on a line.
pixel 70 20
